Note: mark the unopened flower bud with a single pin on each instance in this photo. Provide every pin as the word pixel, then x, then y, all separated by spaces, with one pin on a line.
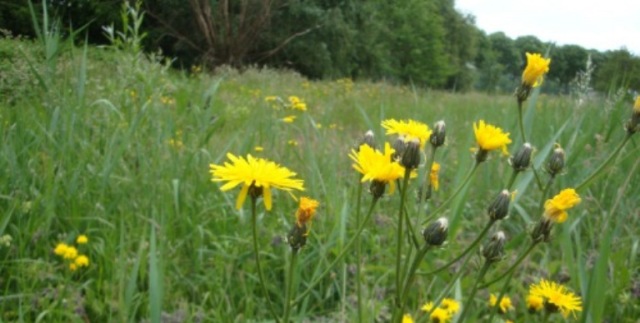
pixel 436 233
pixel 494 250
pixel 399 146
pixel 411 154
pixel 377 189
pixel 368 140
pixel 633 124
pixel 556 161
pixel 522 159
pixel 542 231
pixel 499 209
pixel 297 237
pixel 438 135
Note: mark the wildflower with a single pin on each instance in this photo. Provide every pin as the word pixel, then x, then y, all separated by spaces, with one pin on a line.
pixel 306 210
pixel 438 135
pixel 368 140
pixel 407 318
pixel 556 161
pixel 257 176
pixel 60 249
pixel 534 303
pixel 377 166
pixel 82 239
pixel 436 233
pixel 555 208
pixel 499 209
pixel 440 315
pixel 537 66
pixel 450 305
pixel 73 266
pixel 633 124
pixel 81 261
pixel 556 297
pixel 433 176
pixel 494 250
pixel 292 143
pixel 427 307
pixel 408 129
pixel 297 104
pixel 258 148
pixel 505 303
pixel 289 119
pixel 411 155
pixel 489 138
pixel 522 159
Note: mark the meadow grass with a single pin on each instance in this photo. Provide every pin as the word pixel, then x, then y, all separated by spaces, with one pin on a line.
pixel 116 145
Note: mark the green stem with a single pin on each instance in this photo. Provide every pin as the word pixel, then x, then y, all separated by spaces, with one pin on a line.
pixel 342 253
pixel 471 247
pixel 426 180
pixel 455 193
pixel 358 255
pixel 405 182
pixel 545 193
pixel 410 228
pixel 503 291
pixel 254 218
pixel 601 168
pixel 450 284
pixel 512 180
pixel 513 267
pixel 483 271
pixel 411 275
pixel 524 139
pixel 289 293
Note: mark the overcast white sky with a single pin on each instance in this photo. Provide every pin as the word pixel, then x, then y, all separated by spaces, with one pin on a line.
pixel 598 24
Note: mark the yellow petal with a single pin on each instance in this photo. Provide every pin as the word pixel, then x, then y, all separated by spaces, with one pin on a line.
pixel 266 193
pixel 242 196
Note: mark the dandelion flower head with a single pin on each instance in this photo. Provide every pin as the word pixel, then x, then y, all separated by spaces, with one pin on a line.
pixel 440 315
pixel 534 303
pixel 556 208
pixel 409 130
pixel 82 239
pixel 375 165
pixel 407 318
pixel 537 66
pixel 450 305
pixel 433 177
pixel 505 303
pixel 557 297
pixel 257 173
pixel 490 137
pixel 306 211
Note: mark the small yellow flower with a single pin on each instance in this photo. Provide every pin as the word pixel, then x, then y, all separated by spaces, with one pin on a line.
pixel 534 303
pixel 318 125
pixel 537 66
pixel 636 106
pixel 409 130
pixel 297 104
pixel 289 119
pixel 292 143
pixel 407 318
pixel 271 98
pixel 555 208
pixel 490 137
pixel 450 305
pixel 433 176
pixel 82 239
pixel 557 297
pixel 377 166
pixel 258 148
pixel 256 173
pixel 73 266
pixel 505 303
pixel 427 307
pixel 306 211
pixel 82 261
pixel 440 315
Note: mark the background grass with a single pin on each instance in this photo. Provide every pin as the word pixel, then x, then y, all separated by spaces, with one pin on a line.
pixel 117 146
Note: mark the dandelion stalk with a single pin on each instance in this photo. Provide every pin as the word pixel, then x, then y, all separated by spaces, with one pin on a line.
pixel 601 168
pixel 411 275
pixel 503 291
pixel 483 272
pixel 339 257
pixel 405 182
pixel 256 250
pixel 289 292
pixel 455 193
pixel 524 139
pixel 512 268
pixel 358 255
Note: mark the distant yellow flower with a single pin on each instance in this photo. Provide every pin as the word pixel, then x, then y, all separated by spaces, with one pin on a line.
pixel 440 315
pixel 270 98
pixel 292 142
pixel 427 307
pixel 505 303
pixel 82 239
pixel 537 66
pixel 407 319
pixel 555 208
pixel 490 137
pixel 306 211
pixel 409 130
pixel 377 166
pixel 450 305
pixel 318 125
pixel 82 261
pixel 258 148
pixel 433 177
pixel 534 303
pixel 289 119
pixel 556 297
pixel 60 249
pixel 256 174
pixel 69 252
pixel 73 266
pixel 636 106
pixel 297 104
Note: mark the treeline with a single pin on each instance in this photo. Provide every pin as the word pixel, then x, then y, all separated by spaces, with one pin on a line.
pixel 424 42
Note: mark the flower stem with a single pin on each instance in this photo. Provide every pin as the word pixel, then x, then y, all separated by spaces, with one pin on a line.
pixel 411 275
pixel 455 193
pixel 426 180
pixel 483 271
pixel 545 193
pixel 399 241
pixel 289 293
pixel 513 267
pixel 256 250
pixel 524 139
pixel 339 257
pixel 512 180
pixel 601 168
pixel 503 291
pixel 466 251
pixel 358 255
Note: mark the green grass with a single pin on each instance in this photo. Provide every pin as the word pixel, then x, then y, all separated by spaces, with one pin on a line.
pixel 117 146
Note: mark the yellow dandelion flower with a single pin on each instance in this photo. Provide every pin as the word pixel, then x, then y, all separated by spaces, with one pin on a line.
pixel 73 266
pixel 450 305
pixel 258 148
pixel 377 166
pixel 407 318
pixel 289 119
pixel 256 173
pixel 490 137
pixel 427 307
pixel 505 303
pixel 292 143
pixel 409 129
pixel 82 261
pixel 82 239
pixel 270 98
pixel 556 208
pixel 440 315
pixel 556 297
pixel 636 106
pixel 433 177
pixel 306 211
pixel 537 66
pixel 534 303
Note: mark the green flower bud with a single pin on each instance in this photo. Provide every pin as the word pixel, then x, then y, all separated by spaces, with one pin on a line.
pixel 438 135
pixel 411 155
pixel 499 209
pixel 436 233
pixel 399 146
pixel 542 231
pixel 522 159
pixel 556 161
pixel 297 237
pixel 494 250
pixel 377 189
pixel 368 140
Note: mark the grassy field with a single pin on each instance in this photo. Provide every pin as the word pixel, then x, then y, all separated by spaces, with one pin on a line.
pixel 117 146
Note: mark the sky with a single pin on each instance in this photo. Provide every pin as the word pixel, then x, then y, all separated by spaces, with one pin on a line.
pixel 592 24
